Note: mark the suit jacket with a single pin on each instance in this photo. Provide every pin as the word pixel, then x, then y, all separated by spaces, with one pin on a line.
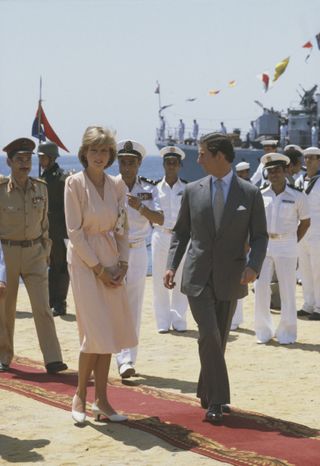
pixel 221 253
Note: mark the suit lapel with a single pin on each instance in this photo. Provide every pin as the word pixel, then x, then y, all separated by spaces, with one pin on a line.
pixel 206 202
pixel 231 204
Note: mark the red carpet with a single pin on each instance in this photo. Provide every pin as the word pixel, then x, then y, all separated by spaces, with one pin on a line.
pixel 245 438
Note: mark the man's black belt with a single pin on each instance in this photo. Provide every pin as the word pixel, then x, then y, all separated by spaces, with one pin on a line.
pixel 26 243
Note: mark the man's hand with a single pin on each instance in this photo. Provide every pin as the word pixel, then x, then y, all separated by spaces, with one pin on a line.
pixel 3 287
pixel 248 276
pixel 133 201
pixel 168 279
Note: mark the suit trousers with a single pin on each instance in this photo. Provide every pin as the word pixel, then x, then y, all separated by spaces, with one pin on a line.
pixel 309 267
pixel 213 318
pixel 170 306
pixel 135 284
pixel 31 265
pixel 286 332
pixel 58 273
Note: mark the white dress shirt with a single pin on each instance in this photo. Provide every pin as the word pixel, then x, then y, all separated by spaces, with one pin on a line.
pixel 170 202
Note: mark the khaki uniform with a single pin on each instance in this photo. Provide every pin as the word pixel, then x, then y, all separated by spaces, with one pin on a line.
pixel 26 247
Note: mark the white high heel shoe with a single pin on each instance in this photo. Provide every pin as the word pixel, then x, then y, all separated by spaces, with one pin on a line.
pixel 97 413
pixel 77 416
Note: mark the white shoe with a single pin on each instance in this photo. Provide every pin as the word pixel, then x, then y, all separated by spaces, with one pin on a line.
pixel 77 416
pixel 97 413
pixel 126 370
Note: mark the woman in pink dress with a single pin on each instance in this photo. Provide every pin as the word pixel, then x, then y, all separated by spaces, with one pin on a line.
pixel 98 260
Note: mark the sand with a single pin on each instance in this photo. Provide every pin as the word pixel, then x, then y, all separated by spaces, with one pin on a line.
pixel 277 380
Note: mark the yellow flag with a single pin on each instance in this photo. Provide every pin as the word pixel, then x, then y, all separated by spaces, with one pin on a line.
pixel 232 83
pixel 280 68
pixel 214 91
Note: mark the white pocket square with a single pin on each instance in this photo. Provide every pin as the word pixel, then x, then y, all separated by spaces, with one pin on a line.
pixel 241 207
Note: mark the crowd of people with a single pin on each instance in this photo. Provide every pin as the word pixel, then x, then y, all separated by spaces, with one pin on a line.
pixel 210 239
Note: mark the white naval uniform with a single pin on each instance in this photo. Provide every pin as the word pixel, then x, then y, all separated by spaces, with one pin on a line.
pixel 309 248
pixel 139 230
pixel 170 306
pixel 283 212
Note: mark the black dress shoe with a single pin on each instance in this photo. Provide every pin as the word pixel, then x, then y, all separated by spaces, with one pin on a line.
pixel 214 414
pixel 4 367
pixel 314 316
pixel 59 310
pixel 57 366
pixel 303 313
pixel 204 403
pixel 226 409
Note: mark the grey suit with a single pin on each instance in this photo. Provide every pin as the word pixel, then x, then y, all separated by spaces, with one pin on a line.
pixel 214 263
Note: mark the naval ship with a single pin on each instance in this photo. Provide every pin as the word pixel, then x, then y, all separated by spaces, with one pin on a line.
pixel 299 121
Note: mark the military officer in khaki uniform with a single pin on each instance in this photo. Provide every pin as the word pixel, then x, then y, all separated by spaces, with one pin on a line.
pixel 26 248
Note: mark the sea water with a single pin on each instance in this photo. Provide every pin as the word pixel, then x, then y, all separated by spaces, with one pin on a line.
pixel 151 167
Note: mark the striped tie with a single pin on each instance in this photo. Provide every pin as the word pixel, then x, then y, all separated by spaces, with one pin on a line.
pixel 218 203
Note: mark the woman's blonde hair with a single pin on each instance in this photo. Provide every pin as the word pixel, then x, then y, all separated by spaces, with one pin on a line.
pixel 97 136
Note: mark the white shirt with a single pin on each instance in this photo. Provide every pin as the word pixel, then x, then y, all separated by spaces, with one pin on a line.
pixel 139 225
pixel 170 202
pixel 257 176
pixel 284 212
pixel 3 277
pixel 314 206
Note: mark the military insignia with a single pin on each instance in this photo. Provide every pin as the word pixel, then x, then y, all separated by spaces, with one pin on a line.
pixel 287 201
pixel 172 150
pixel 180 193
pixel 144 196
pixel 37 199
pixel 128 146
pixel 269 159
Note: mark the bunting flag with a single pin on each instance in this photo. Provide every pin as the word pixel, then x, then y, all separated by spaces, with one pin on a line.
pixel 214 91
pixel 232 83
pixel 264 77
pixel 164 107
pixel 192 99
pixel 157 89
pixel 318 40
pixel 280 68
pixel 308 45
pixel 46 131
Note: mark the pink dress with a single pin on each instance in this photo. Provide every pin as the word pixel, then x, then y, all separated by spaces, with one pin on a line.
pixel 104 321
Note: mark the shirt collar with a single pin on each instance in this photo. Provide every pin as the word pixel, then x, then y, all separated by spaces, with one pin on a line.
pixel 226 179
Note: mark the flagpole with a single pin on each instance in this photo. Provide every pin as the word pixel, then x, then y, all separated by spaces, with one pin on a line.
pixel 39 117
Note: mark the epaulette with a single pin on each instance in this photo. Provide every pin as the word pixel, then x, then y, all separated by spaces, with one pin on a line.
pixel 292 186
pixel 184 181
pixel 147 180
pixel 38 179
pixel 157 181
pixel 264 186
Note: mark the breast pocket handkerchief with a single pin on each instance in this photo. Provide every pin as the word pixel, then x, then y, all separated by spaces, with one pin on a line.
pixel 241 207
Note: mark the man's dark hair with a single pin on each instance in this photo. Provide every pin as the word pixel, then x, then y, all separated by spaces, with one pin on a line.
pixel 294 156
pixel 219 142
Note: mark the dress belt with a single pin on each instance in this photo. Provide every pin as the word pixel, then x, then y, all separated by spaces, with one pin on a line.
pixel 137 244
pixel 280 236
pixel 165 230
pixel 26 243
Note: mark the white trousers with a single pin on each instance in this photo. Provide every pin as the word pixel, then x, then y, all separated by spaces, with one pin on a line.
pixel 309 267
pixel 238 315
pixel 170 306
pixel 286 332
pixel 135 283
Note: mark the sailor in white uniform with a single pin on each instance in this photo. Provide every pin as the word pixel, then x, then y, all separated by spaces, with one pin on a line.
pixel 181 130
pixel 269 146
pixel 309 246
pixel 3 281
pixel 170 306
pixel 143 210
pixel 288 219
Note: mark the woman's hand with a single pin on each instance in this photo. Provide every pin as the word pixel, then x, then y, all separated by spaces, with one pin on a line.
pixel 110 276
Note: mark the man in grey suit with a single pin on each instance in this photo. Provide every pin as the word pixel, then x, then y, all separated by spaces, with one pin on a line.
pixel 218 213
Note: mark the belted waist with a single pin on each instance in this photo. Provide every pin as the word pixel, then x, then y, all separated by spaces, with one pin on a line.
pixel 26 243
pixel 137 244
pixel 281 236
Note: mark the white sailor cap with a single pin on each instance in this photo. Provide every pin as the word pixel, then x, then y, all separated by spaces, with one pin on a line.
pixel 130 147
pixel 293 147
pixel 269 142
pixel 311 151
pixel 242 166
pixel 274 160
pixel 172 151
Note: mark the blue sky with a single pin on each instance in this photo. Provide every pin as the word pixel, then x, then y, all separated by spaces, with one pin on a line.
pixel 100 60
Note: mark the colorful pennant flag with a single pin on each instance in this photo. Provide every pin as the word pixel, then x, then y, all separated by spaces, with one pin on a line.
pixel 232 83
pixel 264 77
pixel 46 131
pixel 280 68
pixel 192 99
pixel 318 40
pixel 308 45
pixel 214 91
pixel 157 89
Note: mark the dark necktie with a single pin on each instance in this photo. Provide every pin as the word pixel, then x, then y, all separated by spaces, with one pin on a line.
pixel 218 203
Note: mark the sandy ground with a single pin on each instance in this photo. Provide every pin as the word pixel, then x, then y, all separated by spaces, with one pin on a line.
pixel 281 381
